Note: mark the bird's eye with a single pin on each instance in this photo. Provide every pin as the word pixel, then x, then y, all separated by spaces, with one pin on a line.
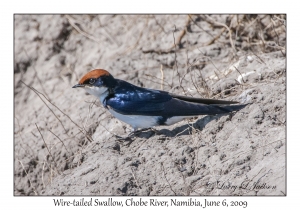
pixel 92 81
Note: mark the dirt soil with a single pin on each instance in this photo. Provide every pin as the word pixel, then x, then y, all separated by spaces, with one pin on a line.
pixel 66 143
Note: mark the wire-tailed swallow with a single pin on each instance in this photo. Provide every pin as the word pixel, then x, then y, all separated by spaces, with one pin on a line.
pixel 145 108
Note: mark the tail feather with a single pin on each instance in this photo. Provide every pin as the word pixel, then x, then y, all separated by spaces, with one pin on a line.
pixel 230 108
pixel 176 107
pixel 202 100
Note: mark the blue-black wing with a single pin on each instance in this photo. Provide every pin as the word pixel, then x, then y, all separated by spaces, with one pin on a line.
pixel 132 100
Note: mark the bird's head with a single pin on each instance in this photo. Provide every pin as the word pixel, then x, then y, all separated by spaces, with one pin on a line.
pixel 96 82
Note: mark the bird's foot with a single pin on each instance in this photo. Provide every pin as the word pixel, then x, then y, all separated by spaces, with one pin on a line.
pixel 135 132
pixel 125 140
pixel 155 131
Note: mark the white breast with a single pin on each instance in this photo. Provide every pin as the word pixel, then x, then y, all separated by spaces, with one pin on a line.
pixel 139 121
pixel 136 121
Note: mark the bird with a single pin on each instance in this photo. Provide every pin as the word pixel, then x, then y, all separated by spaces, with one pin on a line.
pixel 144 108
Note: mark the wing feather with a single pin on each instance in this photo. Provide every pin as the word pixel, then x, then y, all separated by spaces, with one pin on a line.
pixel 132 100
pixel 203 100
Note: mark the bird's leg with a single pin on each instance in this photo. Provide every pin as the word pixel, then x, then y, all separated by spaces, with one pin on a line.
pixel 131 134
pixel 136 131
pixel 126 138
pixel 155 131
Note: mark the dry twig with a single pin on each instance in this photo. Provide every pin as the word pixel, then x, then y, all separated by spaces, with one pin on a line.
pixel 47 148
pixel 162 165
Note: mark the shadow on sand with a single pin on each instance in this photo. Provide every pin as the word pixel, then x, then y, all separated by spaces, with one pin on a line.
pixel 182 130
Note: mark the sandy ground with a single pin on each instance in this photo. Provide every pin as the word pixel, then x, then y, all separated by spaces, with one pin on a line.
pixel 65 141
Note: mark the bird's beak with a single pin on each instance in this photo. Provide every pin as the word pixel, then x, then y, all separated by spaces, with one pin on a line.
pixel 78 85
